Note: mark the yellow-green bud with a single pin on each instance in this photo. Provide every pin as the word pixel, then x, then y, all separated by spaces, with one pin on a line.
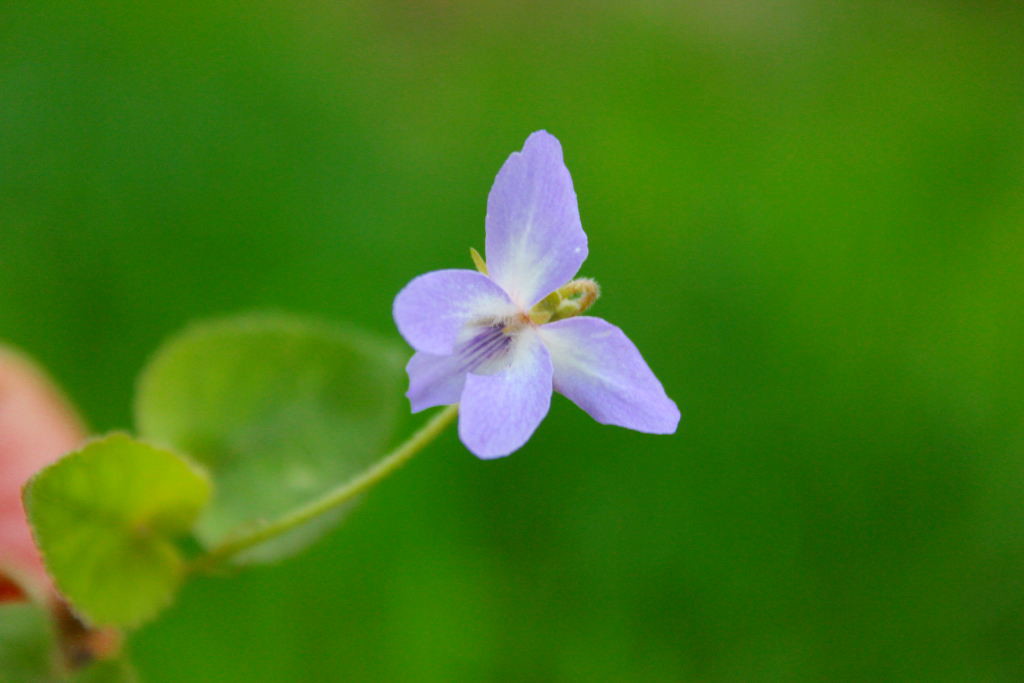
pixel 478 260
pixel 566 302
pixel 545 308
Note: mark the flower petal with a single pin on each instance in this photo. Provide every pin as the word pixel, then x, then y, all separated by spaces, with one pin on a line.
pixel 499 412
pixel 434 309
pixel 599 369
pixel 535 243
pixel 434 380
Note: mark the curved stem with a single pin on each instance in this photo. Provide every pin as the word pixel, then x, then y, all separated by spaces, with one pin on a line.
pixel 332 499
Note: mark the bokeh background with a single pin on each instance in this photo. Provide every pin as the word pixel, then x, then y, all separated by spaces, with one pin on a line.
pixel 808 215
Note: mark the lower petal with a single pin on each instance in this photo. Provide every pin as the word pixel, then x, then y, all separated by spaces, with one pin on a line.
pixel 499 412
pixel 434 381
pixel 599 369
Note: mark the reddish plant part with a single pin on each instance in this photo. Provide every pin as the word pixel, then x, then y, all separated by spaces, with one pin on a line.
pixel 81 645
pixel 37 426
pixel 10 591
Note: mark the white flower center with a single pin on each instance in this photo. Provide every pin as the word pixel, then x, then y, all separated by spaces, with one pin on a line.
pixel 488 346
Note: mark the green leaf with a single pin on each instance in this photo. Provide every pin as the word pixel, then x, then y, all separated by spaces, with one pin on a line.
pixel 279 409
pixel 26 644
pixel 105 519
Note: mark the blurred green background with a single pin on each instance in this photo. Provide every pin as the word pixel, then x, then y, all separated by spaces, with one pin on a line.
pixel 809 216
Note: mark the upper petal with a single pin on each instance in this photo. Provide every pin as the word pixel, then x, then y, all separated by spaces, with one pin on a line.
pixel 499 412
pixel 599 369
pixel 434 309
pixel 535 242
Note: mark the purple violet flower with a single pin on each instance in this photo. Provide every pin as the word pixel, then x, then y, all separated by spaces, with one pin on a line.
pixel 498 341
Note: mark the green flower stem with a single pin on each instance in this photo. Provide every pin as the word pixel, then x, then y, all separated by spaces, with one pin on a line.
pixel 332 499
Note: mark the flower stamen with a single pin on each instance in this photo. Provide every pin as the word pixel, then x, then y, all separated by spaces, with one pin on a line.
pixel 566 302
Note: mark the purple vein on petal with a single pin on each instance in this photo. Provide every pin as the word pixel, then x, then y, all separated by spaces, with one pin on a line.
pixel 485 346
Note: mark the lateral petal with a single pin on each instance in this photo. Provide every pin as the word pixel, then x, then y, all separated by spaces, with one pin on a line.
pixel 434 380
pixel 434 309
pixel 599 369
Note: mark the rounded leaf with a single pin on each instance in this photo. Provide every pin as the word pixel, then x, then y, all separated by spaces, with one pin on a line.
pixel 105 518
pixel 279 409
